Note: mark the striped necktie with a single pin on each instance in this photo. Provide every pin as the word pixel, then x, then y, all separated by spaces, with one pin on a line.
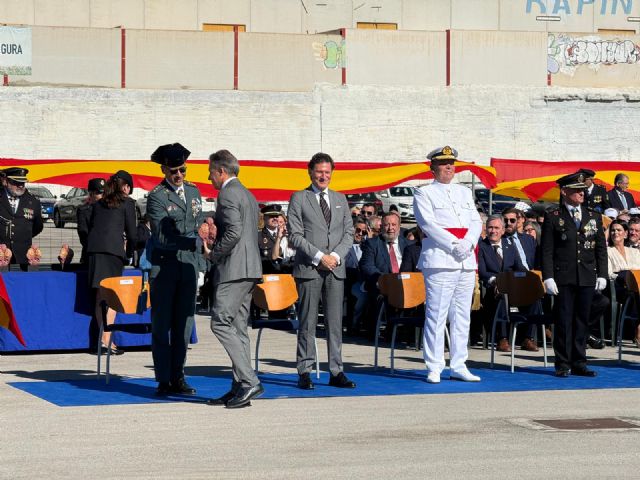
pixel 325 208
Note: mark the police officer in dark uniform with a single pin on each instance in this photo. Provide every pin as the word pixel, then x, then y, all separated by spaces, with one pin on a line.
pixel 175 210
pixel 20 215
pixel 595 196
pixel 267 237
pixel 95 188
pixel 574 266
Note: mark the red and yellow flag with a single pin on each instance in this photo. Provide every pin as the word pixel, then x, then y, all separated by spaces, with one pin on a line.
pixel 7 318
pixel 536 179
pixel 268 180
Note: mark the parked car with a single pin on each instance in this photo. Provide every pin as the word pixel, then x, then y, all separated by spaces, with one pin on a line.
pixel 499 202
pixel 401 198
pixel 359 199
pixel 65 209
pixel 47 199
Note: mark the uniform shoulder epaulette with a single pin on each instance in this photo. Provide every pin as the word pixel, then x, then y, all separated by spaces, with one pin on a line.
pixel 157 188
pixel 190 184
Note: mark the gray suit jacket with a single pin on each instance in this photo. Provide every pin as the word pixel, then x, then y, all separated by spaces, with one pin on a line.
pixel 236 252
pixel 309 233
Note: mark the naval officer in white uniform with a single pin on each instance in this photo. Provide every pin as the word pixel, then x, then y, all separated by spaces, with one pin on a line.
pixel 447 215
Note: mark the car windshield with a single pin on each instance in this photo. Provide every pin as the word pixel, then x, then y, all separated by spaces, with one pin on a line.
pixel 401 191
pixel 40 192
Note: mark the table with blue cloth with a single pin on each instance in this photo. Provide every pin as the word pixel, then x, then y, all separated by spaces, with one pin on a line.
pixel 52 310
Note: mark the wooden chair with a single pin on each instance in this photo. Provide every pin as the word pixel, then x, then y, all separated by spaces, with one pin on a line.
pixel 276 296
pixel 631 304
pixel 399 293
pixel 520 290
pixel 122 294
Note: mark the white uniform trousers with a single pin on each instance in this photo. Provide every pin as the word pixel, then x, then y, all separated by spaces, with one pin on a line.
pixel 449 295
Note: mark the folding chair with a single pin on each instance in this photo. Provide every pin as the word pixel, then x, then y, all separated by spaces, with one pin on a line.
pixel 277 296
pixel 519 290
pixel 122 294
pixel 630 308
pixel 401 292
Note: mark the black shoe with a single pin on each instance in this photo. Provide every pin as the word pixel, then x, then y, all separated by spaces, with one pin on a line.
pixel 164 388
pixel 595 342
pixel 341 381
pixel 114 350
pixel 244 396
pixel 562 373
pixel 181 387
pixel 583 372
pixel 305 383
pixel 223 399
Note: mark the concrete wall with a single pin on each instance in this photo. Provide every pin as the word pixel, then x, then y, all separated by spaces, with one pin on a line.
pixel 179 59
pixel 494 58
pixel 287 62
pixel 310 16
pixel 395 58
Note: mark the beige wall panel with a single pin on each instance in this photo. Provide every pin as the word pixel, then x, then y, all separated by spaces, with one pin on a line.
pixel 498 58
pixel 379 57
pixel 514 16
pixel 62 13
pixel 287 62
pixel 377 11
pixel 327 15
pixel 179 59
pixel 17 12
pixel 276 16
pixel 439 14
pixel 417 15
pixel 617 21
pixel 236 12
pixel 474 14
pixel 171 15
pixel 74 56
pixel 573 22
pixel 117 13
pixel 593 60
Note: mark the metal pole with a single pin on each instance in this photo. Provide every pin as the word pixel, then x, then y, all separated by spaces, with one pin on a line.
pixel 490 202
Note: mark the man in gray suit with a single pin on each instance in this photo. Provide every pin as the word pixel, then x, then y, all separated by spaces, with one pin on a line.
pixel 321 230
pixel 237 269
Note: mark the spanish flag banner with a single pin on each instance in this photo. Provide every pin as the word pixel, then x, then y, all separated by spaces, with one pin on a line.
pixel 268 180
pixel 536 179
pixel 7 318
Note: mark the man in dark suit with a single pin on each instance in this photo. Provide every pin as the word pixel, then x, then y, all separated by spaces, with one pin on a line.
pixel 618 196
pixel 411 253
pixel 175 210
pixel 238 268
pixel 595 196
pixel 354 286
pixel 495 254
pixel 321 231
pixel 574 265
pixel 20 215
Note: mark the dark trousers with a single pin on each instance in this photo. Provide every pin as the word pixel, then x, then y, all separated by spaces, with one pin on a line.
pixel 572 307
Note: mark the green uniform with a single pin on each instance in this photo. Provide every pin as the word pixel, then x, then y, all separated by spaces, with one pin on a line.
pixel 174 275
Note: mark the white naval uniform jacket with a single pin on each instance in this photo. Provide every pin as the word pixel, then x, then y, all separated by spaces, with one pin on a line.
pixel 439 206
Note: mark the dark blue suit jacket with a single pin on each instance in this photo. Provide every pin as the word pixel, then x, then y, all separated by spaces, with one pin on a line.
pixel 615 202
pixel 375 258
pixel 489 264
pixel 530 248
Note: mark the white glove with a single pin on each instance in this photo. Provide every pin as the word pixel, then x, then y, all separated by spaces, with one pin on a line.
pixel 200 279
pixel 461 250
pixel 550 286
pixel 601 284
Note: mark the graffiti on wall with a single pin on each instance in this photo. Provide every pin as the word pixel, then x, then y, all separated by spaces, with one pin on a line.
pixel 565 54
pixel 331 54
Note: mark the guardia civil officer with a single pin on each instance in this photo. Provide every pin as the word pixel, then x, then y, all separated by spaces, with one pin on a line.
pixel 20 215
pixel 95 188
pixel 175 210
pixel 574 265
pixel 268 235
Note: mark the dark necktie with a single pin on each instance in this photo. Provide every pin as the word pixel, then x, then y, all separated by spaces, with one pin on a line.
pixel 395 268
pixel 325 208
pixel 496 248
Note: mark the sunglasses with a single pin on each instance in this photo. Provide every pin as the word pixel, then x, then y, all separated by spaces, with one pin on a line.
pixel 510 220
pixel 367 212
pixel 360 230
pixel 182 170
pixel 15 183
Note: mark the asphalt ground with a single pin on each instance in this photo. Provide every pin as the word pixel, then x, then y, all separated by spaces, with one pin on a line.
pixel 479 435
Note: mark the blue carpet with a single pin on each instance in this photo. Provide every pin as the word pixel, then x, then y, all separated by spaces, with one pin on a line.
pixel 121 391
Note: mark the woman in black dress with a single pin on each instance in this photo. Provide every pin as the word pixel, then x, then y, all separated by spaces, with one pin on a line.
pixel 112 239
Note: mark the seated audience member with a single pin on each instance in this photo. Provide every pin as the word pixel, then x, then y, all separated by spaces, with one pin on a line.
pixel 411 253
pixel 611 213
pixel 282 254
pixel 521 209
pixel 355 212
pixel 618 196
pixel 497 254
pixel 532 228
pixel 634 233
pixel 373 226
pixel 624 217
pixel 525 244
pixel 268 235
pixel 357 301
pixel 368 210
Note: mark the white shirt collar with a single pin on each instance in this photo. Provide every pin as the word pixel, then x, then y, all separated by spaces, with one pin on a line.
pixel 317 191
pixel 226 182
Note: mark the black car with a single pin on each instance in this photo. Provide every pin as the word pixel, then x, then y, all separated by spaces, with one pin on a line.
pixel 47 200
pixel 65 209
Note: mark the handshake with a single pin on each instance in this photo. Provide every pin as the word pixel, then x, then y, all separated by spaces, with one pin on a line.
pixel 207 233
pixel 462 250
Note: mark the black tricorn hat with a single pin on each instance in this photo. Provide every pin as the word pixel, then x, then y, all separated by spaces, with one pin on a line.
pixel 96 185
pixel 172 155
pixel 272 210
pixel 17 174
